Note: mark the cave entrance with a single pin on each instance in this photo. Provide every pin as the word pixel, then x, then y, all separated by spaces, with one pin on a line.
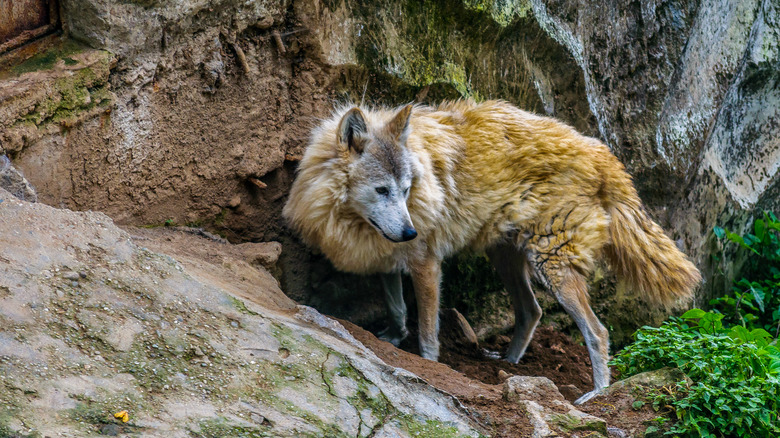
pixel 26 21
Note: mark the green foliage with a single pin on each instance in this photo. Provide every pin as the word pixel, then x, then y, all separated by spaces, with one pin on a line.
pixel 735 373
pixel 729 353
pixel 755 302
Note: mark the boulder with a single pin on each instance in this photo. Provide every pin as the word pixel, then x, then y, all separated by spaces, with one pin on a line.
pixel 657 378
pixel 14 182
pixel 560 417
pixel 202 344
pixel 530 388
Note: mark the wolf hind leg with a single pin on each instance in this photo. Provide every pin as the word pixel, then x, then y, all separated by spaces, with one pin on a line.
pixel 512 267
pixel 396 309
pixel 570 289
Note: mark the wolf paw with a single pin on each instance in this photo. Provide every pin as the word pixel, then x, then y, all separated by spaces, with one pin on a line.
pixel 490 354
pixel 393 336
pixel 588 396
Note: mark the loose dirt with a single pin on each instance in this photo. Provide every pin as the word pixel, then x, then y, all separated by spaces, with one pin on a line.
pixel 477 380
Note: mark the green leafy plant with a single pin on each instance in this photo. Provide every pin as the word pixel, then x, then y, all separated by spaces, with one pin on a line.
pixel 755 302
pixel 735 373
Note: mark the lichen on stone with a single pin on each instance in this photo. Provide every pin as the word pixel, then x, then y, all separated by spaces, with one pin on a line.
pixel 502 11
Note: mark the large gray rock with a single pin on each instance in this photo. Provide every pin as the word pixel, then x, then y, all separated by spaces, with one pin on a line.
pixel 94 324
pixel 558 418
pixel 649 379
pixel 14 182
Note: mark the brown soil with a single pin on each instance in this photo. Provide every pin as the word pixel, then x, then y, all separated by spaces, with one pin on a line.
pixel 504 419
pixel 551 354
pixel 474 379
pixel 617 410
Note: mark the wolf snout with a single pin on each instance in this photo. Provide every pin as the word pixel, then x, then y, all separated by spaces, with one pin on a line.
pixel 408 234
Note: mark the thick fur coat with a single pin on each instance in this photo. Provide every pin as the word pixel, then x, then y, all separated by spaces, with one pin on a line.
pixel 486 176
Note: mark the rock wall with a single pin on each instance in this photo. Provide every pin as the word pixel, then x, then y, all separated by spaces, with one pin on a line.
pixel 685 93
pixel 199 110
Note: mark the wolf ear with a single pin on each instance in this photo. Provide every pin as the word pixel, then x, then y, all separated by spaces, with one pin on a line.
pixel 398 127
pixel 350 127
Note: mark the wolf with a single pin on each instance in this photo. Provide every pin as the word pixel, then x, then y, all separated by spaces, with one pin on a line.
pixel 392 191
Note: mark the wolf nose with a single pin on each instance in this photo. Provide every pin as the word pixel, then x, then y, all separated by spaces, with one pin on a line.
pixel 408 234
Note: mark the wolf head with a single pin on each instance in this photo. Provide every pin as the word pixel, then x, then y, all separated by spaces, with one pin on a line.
pixel 380 174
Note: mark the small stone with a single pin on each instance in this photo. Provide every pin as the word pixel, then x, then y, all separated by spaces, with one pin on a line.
pixel 570 392
pixel 577 421
pixel 503 339
pixel 82 274
pixel 264 22
pixel 517 388
pixel 234 202
pixel 456 332
pixel 658 378
pixel 70 275
pixel 257 418
pixel 74 284
pixel 502 375
pixel 616 432
pixel 109 429
pixel 264 254
pixel 197 351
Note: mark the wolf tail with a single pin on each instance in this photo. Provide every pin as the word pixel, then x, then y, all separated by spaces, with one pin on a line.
pixel 639 250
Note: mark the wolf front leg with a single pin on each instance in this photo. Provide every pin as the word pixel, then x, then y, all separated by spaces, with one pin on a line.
pixel 426 276
pixel 396 309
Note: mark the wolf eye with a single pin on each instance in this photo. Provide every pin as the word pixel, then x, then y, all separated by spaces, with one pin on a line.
pixel 382 190
pixel 406 190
